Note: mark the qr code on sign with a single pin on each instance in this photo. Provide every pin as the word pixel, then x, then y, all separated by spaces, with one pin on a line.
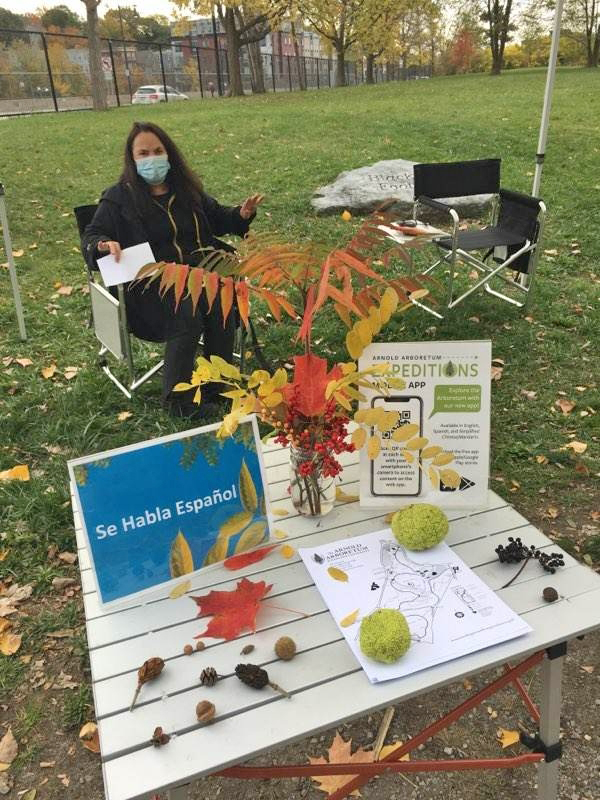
pixel 403 419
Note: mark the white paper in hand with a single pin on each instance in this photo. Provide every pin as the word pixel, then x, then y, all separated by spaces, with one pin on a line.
pixel 131 261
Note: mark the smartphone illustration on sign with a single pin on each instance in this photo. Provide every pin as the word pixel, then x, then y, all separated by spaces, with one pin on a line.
pixel 391 474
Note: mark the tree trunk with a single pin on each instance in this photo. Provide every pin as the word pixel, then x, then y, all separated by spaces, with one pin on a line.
pixel 370 78
pixel 256 68
pixel 299 64
pixel 97 80
pixel 496 63
pixel 340 74
pixel 235 88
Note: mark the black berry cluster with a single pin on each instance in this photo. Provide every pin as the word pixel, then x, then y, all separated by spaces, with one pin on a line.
pixel 515 552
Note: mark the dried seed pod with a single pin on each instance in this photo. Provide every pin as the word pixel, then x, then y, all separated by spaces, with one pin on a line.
pixel 188 650
pixel 209 676
pixel 285 647
pixel 205 711
pixel 200 645
pixel 246 650
pixel 257 677
pixel 149 670
pixel 159 737
pixel 550 594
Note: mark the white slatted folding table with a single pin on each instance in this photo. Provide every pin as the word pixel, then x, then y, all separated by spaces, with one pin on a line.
pixel 328 683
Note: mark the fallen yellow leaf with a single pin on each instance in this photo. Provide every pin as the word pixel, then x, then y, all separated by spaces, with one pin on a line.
pixel 23 362
pixel 89 737
pixel 18 473
pixel 180 590
pixel 9 643
pixel 287 551
pixel 66 290
pixel 508 738
pixel 4 553
pixel 280 512
pixel 350 619
pixel 279 534
pixel 577 447
pixel 123 415
pixel 18 253
pixel 48 372
pixel 346 216
pixel 337 574
pixel 389 748
pixel 342 497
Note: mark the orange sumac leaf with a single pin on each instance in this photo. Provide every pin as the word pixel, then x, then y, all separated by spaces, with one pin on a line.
pixel 195 285
pixel 180 281
pixel 226 297
pixel 211 285
pixel 168 278
pixel 241 291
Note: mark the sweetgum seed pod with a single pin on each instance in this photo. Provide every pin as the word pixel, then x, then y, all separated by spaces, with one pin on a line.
pixel 285 648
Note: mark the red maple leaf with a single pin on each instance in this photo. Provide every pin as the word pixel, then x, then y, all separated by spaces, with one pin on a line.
pixel 309 384
pixel 243 559
pixel 232 611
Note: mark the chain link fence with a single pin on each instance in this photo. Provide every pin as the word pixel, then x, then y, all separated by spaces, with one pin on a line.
pixel 41 72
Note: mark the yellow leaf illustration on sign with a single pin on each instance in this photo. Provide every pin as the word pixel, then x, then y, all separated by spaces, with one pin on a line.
pixel 373 447
pixel 431 451
pixel 252 536
pixel 386 420
pixel 342 497
pixel 279 512
pixel 442 459
pixel 180 561
pixel 450 477
pixel 279 534
pixel 405 432
pixel 434 478
pixel 235 523
pixel 218 552
pixel 337 574
pixel 248 494
pixel 417 443
pixel 350 619
pixel 287 551
pixel 508 738
pixel 359 437
pixel 180 590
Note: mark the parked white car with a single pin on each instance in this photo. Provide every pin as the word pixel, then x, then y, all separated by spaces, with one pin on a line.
pixel 155 93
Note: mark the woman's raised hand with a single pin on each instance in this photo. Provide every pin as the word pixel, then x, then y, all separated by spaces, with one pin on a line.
pixel 250 204
pixel 114 248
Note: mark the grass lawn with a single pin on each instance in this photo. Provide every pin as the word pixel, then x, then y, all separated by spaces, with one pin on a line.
pixel 285 146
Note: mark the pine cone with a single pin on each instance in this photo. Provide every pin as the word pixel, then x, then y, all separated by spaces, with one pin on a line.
pixel 150 669
pixel 208 676
pixel 252 675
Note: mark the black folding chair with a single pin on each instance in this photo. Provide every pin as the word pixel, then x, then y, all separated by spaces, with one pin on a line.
pixel 511 241
pixel 109 320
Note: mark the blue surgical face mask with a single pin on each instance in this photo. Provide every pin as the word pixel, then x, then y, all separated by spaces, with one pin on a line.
pixel 153 169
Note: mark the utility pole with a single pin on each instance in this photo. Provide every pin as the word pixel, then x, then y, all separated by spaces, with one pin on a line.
pixel 217 59
pixel 125 53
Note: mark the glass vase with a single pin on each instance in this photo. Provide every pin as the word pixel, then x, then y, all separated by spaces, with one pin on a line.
pixel 312 493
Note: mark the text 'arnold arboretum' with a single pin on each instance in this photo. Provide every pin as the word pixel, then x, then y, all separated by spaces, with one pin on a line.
pixel 182 507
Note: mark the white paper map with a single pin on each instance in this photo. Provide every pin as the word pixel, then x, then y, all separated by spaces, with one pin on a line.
pixel 450 611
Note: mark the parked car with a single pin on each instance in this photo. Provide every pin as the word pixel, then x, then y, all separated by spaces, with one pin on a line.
pixel 155 93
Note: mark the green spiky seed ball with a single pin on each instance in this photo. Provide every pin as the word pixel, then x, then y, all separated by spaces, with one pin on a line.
pixel 420 526
pixel 385 635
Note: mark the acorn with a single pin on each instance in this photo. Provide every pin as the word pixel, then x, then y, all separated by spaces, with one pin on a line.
pixel 188 650
pixel 200 645
pixel 285 647
pixel 550 594
pixel 205 711
pixel 149 670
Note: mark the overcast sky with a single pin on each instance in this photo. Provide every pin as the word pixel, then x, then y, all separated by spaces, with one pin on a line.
pixel 145 7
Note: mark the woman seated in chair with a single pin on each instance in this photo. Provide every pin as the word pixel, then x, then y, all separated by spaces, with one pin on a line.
pixel 159 200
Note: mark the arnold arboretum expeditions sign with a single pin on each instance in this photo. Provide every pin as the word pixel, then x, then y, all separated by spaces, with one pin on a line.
pixel 161 509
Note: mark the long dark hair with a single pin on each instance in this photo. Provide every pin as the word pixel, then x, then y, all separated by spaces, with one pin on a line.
pixel 180 177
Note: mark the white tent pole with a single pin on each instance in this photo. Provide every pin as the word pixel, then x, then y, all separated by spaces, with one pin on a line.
pixel 541 149
pixel 11 265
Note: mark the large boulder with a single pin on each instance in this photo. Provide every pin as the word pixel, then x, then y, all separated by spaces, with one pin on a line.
pixel 362 190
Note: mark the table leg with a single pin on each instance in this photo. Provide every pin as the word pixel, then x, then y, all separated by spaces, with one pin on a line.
pixel 551 671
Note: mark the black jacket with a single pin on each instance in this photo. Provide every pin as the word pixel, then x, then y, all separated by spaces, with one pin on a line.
pixel 173 237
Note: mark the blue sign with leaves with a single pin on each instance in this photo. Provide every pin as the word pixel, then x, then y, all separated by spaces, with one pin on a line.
pixel 159 510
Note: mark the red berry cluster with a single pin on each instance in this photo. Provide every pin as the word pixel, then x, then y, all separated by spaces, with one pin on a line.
pixel 324 436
